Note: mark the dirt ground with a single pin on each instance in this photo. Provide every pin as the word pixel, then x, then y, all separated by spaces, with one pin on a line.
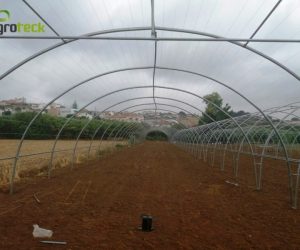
pixel 98 206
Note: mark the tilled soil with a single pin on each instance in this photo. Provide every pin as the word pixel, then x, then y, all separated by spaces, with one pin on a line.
pixel 98 206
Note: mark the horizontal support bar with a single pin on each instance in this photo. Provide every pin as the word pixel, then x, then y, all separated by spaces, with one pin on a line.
pixel 182 39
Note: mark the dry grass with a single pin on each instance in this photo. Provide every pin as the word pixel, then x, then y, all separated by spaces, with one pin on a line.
pixel 38 164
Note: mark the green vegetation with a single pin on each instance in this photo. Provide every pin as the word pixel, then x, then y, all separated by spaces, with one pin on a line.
pixel 214 107
pixel 47 127
pixel 259 134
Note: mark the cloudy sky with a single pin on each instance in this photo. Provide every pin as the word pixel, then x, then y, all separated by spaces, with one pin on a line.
pixel 48 75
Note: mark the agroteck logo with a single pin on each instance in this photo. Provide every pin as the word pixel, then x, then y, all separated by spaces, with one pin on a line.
pixel 18 27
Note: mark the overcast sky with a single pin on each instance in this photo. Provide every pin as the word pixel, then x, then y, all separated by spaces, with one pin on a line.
pixel 45 77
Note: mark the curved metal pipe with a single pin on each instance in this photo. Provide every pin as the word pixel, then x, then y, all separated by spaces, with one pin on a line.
pixel 111 72
pixel 114 105
pixel 259 53
pixel 87 80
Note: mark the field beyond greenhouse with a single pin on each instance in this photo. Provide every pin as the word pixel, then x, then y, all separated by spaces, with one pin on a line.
pixel 98 205
pixel 36 154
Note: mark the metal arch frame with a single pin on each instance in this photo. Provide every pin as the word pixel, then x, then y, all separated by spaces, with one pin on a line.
pixel 206 136
pixel 165 132
pixel 110 31
pixel 203 135
pixel 168 110
pixel 73 87
pixel 209 137
pixel 294 202
pixel 99 127
pixel 259 163
pixel 216 143
pixel 153 30
pixel 96 131
pixel 129 126
pixel 88 122
pixel 126 128
pixel 108 94
pixel 128 132
pixel 191 138
pixel 122 124
pixel 149 109
pixel 194 138
pixel 149 104
pixel 242 122
pixel 171 106
pixel 200 136
pixel 240 128
pixel 104 133
pixel 186 137
pixel 232 131
pixel 71 117
pixel 92 137
pixel 116 71
pixel 237 151
pixel 234 157
pixel 202 131
pixel 135 68
pixel 266 57
pixel 43 51
pixel 226 136
pixel 205 142
pixel 129 69
pixel 271 133
pixel 207 133
pixel 291 127
pixel 256 107
pixel 172 99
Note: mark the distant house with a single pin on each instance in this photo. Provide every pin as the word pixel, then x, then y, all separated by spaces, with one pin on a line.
pixel 13 106
pixel 37 106
pixel 85 113
pixel 106 114
pixel 127 117
pixel 54 111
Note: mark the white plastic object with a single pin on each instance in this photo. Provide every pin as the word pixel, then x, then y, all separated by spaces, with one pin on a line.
pixel 39 232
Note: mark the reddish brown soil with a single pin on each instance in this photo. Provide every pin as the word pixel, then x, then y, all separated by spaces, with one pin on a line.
pixel 98 206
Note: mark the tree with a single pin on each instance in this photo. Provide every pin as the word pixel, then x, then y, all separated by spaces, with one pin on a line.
pixel 295 119
pixel 74 105
pixel 181 114
pixel 214 109
pixel 6 113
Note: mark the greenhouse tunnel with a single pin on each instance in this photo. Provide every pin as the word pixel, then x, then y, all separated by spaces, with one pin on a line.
pixel 146 64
